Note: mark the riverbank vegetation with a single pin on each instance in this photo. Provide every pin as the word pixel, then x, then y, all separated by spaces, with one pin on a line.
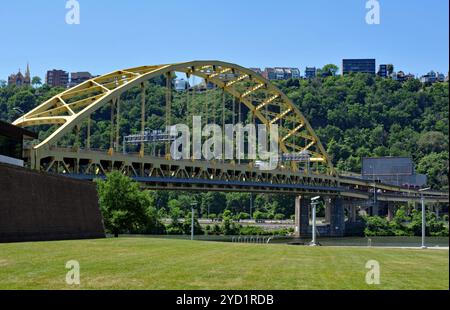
pixel 128 209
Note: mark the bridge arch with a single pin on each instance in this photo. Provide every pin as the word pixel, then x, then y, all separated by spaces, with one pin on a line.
pixel 265 101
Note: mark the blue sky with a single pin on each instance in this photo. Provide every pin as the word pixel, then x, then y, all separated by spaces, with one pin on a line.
pixel 413 34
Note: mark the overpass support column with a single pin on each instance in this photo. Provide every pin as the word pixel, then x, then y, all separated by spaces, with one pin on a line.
pixel 375 209
pixel 327 209
pixel 436 209
pixel 301 217
pixel 337 222
pixel 353 213
pixel 391 211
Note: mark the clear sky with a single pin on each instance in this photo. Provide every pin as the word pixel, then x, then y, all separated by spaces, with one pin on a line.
pixel 413 34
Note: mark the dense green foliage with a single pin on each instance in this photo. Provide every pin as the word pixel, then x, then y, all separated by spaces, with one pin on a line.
pixel 214 205
pixel 406 222
pixel 125 208
pixel 360 115
pixel 128 209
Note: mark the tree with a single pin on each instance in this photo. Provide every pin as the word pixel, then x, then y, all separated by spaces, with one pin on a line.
pixel 214 202
pixel 329 70
pixel 36 81
pixel 406 222
pixel 258 215
pixel 432 141
pixel 228 226
pixel 390 69
pixel 433 226
pixel 377 226
pixel 124 206
pixel 243 216
pixel 237 202
pixel 436 167
pixel 187 224
pixel 175 227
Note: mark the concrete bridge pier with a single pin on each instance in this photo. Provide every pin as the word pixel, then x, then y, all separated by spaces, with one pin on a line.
pixel 301 217
pixel 337 220
pixel 336 216
pixel 375 209
pixel 437 208
pixel 391 211
pixel 352 213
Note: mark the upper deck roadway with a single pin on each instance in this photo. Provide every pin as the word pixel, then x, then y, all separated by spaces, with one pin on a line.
pixel 161 173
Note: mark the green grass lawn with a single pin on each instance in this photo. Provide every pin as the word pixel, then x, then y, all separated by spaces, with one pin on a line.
pixel 146 263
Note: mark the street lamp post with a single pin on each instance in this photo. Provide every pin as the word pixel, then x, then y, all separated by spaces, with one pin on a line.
pixel 374 189
pixel 193 206
pixel 251 205
pixel 314 203
pixel 422 200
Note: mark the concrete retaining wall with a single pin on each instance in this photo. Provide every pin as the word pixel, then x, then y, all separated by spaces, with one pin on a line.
pixel 37 206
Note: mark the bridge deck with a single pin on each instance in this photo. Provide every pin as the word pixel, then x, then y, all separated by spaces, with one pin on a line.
pixel 161 173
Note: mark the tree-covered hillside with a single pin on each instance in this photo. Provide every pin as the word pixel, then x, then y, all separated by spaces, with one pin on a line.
pixel 359 115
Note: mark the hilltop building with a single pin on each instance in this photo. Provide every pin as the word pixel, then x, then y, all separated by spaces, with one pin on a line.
pixel 19 79
pixel 310 72
pixel 79 77
pixel 358 66
pixel 57 78
pixel 281 73
pixel 432 77
pixel 257 70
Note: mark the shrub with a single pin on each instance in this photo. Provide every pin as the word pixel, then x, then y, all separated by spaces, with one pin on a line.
pixel 243 216
pixel 377 226
pixel 279 216
pixel 251 231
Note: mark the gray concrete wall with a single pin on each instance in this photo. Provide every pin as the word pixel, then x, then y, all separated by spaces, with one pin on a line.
pixel 337 221
pixel 302 227
pixel 38 206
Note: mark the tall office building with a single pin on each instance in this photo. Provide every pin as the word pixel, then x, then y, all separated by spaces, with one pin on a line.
pixel 358 66
pixel 269 73
pixel 383 71
pixel 310 72
pixel 57 78
pixel 79 77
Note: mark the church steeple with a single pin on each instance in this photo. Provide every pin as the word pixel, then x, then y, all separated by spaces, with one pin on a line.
pixel 27 73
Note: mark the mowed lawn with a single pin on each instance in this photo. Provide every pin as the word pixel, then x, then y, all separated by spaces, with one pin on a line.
pixel 146 263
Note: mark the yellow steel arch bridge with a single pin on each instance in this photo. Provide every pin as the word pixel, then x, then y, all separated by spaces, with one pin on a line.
pixel 72 109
